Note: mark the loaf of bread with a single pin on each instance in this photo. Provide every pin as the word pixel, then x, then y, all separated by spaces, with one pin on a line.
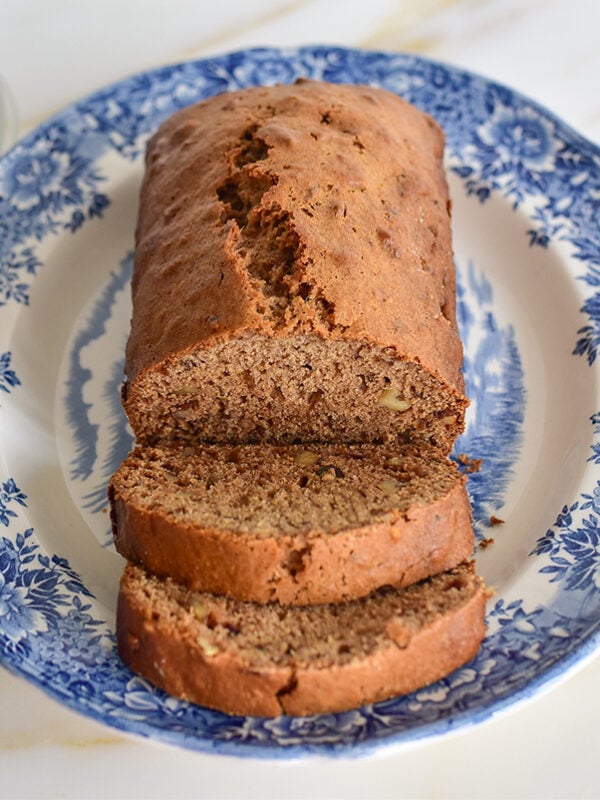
pixel 297 540
pixel 267 660
pixel 314 524
pixel 293 276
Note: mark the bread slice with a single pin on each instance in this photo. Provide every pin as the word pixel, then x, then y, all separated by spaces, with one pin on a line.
pixel 296 524
pixel 243 658
pixel 293 275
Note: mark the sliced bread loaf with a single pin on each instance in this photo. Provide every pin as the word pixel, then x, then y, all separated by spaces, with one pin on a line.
pixel 293 276
pixel 268 660
pixel 314 524
pixel 293 284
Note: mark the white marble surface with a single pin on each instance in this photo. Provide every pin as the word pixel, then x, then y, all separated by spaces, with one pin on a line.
pixel 53 52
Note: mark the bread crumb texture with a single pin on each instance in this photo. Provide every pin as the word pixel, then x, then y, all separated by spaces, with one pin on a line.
pixel 271 491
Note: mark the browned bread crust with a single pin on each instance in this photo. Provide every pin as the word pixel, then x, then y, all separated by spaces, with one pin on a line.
pixel 300 525
pixel 293 273
pixel 269 660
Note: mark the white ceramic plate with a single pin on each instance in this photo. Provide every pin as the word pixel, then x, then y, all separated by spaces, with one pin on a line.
pixel 526 193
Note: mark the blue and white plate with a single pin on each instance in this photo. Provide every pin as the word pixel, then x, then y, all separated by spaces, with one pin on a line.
pixel 526 192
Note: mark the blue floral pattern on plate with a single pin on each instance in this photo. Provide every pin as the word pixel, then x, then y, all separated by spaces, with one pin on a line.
pixel 8 377
pixel 56 186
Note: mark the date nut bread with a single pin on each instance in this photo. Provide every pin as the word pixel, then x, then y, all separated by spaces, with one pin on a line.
pixel 293 277
pixel 297 541
pixel 267 660
pixel 297 524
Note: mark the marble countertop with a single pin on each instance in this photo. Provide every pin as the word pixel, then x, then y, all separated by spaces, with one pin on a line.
pixel 51 54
